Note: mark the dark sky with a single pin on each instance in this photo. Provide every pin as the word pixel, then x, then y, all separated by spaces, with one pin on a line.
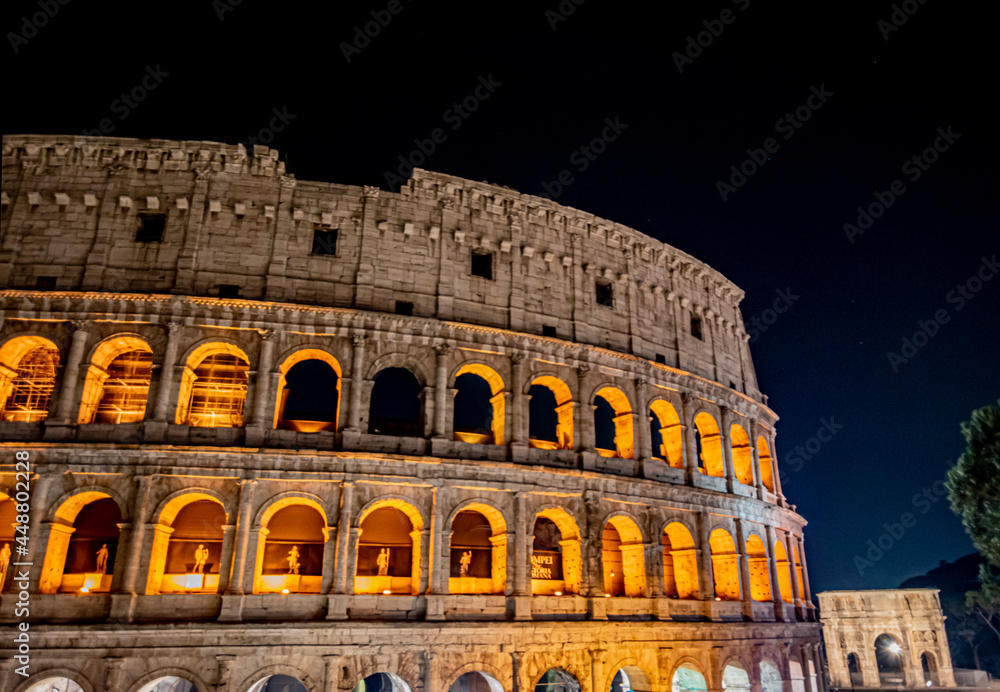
pixel 780 233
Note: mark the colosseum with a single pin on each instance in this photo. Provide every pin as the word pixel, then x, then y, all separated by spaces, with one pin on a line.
pixel 269 435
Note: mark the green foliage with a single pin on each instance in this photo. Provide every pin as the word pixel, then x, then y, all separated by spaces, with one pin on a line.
pixel 985 603
pixel 974 482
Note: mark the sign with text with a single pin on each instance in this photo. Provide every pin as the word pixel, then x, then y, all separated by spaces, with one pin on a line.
pixel 546 564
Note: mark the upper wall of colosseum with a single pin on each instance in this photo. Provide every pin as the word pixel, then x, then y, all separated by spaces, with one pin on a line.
pixel 204 218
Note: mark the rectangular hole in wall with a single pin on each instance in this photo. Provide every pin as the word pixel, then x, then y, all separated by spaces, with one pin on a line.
pixel 404 307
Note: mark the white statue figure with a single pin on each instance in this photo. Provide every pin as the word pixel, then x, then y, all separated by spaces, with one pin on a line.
pixel 200 558
pixel 465 561
pixel 4 563
pixel 102 559
pixel 293 560
pixel 383 562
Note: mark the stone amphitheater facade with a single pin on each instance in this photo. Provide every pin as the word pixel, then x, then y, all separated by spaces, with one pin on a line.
pixel 157 296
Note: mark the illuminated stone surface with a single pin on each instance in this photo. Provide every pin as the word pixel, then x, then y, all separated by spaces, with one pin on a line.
pixel 378 292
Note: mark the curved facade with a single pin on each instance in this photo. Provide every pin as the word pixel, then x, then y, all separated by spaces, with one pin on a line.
pixel 451 437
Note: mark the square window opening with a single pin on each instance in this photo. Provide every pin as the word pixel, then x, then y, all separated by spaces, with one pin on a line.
pixel 324 242
pixel 605 294
pixel 549 330
pixel 229 291
pixel 696 327
pixel 482 264
pixel 151 227
pixel 661 359
pixel 45 283
pixel 404 307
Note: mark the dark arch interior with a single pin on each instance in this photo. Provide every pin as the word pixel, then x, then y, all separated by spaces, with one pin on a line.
pixel 604 424
pixel 889 664
pixel 96 526
pixel 473 410
pixel 283 683
pixel 379 682
pixel 542 417
pixel 852 664
pixel 395 404
pixel 312 392
pixel 656 439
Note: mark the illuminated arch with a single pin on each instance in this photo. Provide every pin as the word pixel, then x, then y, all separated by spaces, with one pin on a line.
pixel 725 565
pixel 558 680
pixel 757 564
pixel 671 436
pixel 496 544
pixel 680 562
pixel 622 557
pixel 784 571
pixel 563 412
pixel 116 387
pixel 569 549
pixel 624 432
pixel 373 582
pixel 888 659
pixel 735 677
pixel 798 571
pixel 496 679
pixel 497 401
pixel 8 534
pixel 388 682
pixel 285 675
pixel 929 666
pixel 766 463
pixel 742 454
pixel 28 368
pixel 46 680
pixel 300 355
pixel 213 387
pixel 149 682
pixel 712 461
pixel 687 676
pixel 168 562
pixel 627 674
pixel 292 519
pixel 770 677
pixel 63 547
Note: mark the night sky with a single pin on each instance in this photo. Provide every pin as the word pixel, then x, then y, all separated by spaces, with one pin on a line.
pixel 871 97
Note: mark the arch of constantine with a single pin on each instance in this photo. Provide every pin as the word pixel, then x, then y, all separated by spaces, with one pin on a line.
pixel 280 435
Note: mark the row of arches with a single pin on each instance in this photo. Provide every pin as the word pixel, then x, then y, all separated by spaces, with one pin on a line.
pixel 291 548
pixel 215 380
pixel 686 677
pixel 887 659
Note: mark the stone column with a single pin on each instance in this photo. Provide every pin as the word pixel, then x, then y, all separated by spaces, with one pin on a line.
pixel 226 556
pixel 237 583
pixel 792 572
pixel 755 454
pixel 332 666
pixel 340 575
pixel 357 383
pixel 38 535
pixel 645 444
pixel 429 682
pixel 522 556
pixel 441 392
pixel 140 521
pixel 262 392
pixel 515 671
pixel 654 568
pixel 806 589
pixel 116 670
pixel 161 411
pixel 585 435
pixel 329 550
pixel 67 394
pixel 224 680
pixel 775 475
pixel 422 539
pixel 690 446
pixel 746 594
pixel 727 448
pixel 772 564
pixel 706 582
pixel 519 433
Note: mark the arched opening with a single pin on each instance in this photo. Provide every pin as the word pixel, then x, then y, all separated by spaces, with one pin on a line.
pixel 478 553
pixel 760 575
pixel 480 405
pixel 382 682
pixel 116 387
pixel 666 433
pixel 711 461
pixel 55 685
pixel 550 414
pixel 630 679
pixel 795 676
pixel 725 566
pixel 8 544
pixel 395 404
pixel 680 562
pixel 28 367
pixel 194 549
pixel 278 683
pixel 735 678
pixel 742 455
pixel 476 681
pixel 308 392
pixel 555 558
pixel 622 559
pixel 388 551
pixel 784 571
pixel 687 678
pixel 613 433
pixel 83 545
pixel 766 468
pixel 929 667
pixel 214 387
pixel 555 680
pixel 889 660
pixel 290 551
pixel 770 677
pixel 854 670
pixel 169 684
